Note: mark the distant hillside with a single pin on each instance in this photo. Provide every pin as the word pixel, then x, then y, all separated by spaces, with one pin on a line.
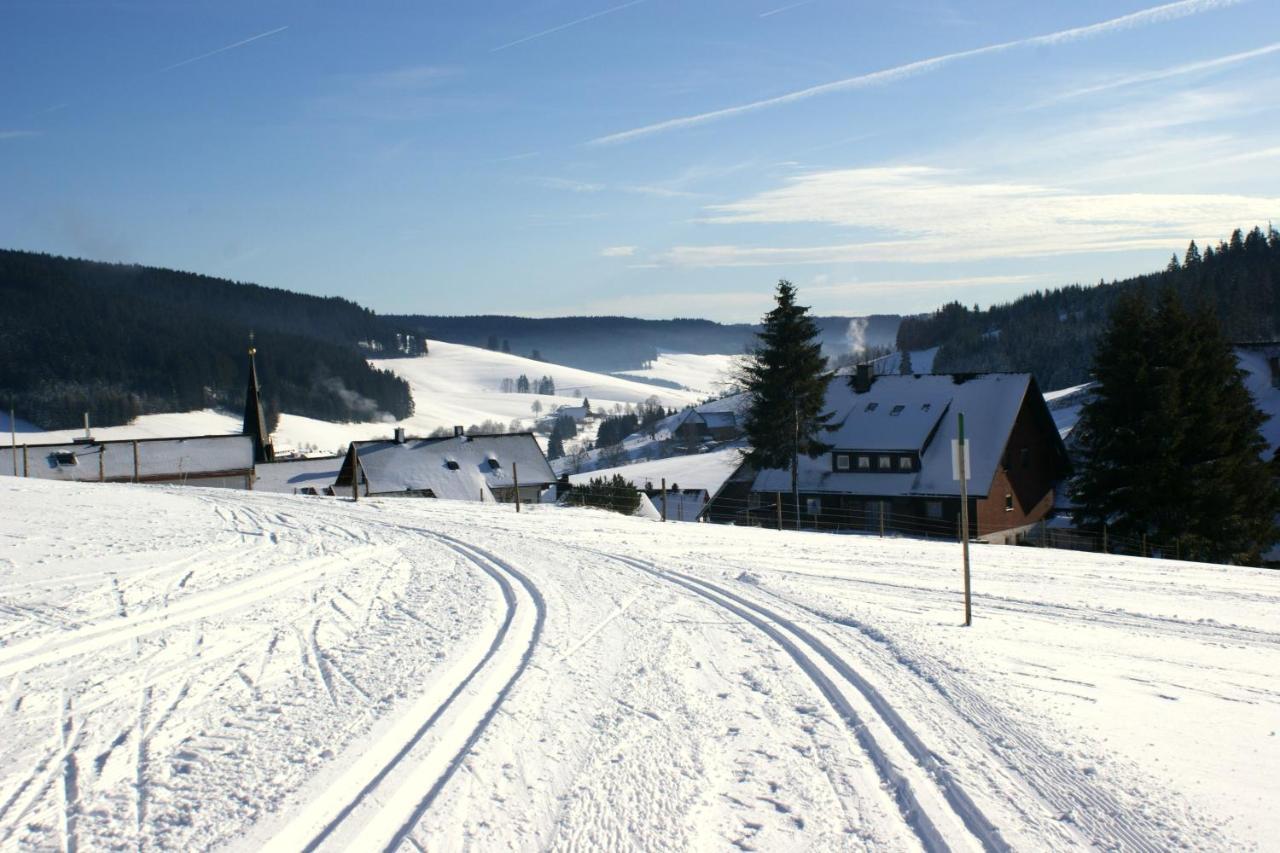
pixel 122 340
pixel 1052 333
pixel 610 344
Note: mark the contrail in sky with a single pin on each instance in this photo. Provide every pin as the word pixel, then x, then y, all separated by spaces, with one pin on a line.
pixel 787 8
pixel 590 17
pixel 1152 15
pixel 224 49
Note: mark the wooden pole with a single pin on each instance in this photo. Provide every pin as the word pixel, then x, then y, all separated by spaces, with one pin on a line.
pixel 515 478
pixel 135 465
pixel 102 463
pixel 1144 544
pixel 881 519
pixel 13 438
pixel 25 469
pixel 1104 539
pixel 664 498
pixel 964 520
pixel 777 505
pixel 355 473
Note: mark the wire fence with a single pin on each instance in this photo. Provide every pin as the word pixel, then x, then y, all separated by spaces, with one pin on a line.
pixel 887 519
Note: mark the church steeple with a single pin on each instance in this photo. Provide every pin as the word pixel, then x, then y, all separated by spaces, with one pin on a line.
pixel 255 422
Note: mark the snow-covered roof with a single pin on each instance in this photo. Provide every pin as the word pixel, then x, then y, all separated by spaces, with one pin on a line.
pixel 289 476
pixel 990 403
pixel 454 468
pixel 734 404
pixel 158 458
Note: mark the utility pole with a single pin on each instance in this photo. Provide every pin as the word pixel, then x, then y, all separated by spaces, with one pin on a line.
pixel 964 516
pixel 515 479
pixel 795 461
pixel 664 498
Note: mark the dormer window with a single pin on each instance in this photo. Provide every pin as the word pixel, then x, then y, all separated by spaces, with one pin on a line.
pixel 494 464
pixel 926 407
pixel 61 459
pixel 895 411
pixel 452 465
pixel 871 407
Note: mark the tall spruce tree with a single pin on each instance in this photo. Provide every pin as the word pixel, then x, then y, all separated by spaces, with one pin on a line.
pixel 1170 441
pixel 786 377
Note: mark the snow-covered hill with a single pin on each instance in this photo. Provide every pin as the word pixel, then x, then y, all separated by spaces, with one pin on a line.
pixel 696 471
pixel 454 385
pixel 191 668
pixel 705 375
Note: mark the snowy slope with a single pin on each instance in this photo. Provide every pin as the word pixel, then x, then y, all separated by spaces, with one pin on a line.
pixel 706 375
pixel 698 471
pixel 188 668
pixel 454 385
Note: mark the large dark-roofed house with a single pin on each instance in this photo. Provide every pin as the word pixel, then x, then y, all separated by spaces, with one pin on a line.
pixel 461 467
pixel 891 458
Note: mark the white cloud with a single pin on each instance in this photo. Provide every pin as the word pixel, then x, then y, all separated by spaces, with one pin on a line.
pixel 19 134
pixel 923 214
pixel 1143 17
pixel 617 251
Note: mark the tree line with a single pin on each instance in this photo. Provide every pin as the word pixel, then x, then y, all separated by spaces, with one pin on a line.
pixel 1053 333
pixel 119 341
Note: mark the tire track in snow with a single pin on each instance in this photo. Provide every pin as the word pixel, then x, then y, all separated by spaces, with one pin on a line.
pixel 909 807
pixel 386 808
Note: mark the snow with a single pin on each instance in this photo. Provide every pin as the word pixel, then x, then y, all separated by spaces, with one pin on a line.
pixel 1258 380
pixel 698 471
pixel 454 385
pixel 704 374
pixel 188 668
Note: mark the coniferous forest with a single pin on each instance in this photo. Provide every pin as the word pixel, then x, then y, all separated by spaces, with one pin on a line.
pixel 121 340
pixel 1054 333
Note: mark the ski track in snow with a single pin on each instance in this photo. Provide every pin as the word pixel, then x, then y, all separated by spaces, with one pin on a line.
pixel 202 669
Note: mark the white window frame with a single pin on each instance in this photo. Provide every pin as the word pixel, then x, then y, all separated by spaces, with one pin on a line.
pixel 864 462
pixel 884 463
pixel 842 462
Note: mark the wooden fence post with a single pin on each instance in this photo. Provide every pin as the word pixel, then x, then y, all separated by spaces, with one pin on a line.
pixel 1104 539
pixel 515 478
pixel 664 498
pixel 135 466
pixel 881 519
pixel 26 471
pixel 102 463
pixel 777 504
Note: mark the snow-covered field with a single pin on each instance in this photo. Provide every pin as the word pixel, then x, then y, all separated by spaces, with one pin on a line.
pixel 189 668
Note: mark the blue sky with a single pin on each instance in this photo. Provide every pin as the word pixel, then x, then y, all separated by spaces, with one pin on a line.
pixel 653 158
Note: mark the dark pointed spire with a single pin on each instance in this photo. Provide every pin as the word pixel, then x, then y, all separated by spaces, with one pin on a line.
pixel 255 422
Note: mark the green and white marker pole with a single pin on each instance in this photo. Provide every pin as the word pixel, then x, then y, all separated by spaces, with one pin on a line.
pixel 964 515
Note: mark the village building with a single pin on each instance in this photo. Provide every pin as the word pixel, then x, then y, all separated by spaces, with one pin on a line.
pixel 459 467
pixel 301 476
pixel 718 420
pixel 219 461
pixel 681 504
pixel 890 465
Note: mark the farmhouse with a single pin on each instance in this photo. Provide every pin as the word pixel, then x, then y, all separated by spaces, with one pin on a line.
pixel 890 464
pixel 681 504
pixel 221 461
pixel 718 420
pixel 460 467
pixel 306 476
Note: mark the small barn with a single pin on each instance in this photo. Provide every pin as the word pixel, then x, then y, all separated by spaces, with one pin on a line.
pixel 219 461
pixel 459 467
pixel 890 465
pixel 681 504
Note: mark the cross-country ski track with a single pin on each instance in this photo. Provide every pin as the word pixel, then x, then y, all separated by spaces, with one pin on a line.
pixel 199 668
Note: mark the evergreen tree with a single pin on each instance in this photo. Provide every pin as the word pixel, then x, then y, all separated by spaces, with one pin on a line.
pixel 786 377
pixel 905 367
pixel 555 445
pixel 1171 438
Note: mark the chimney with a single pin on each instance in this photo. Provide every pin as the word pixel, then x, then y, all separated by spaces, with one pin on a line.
pixel 862 379
pixel 399 435
pixel 88 434
pixel 457 431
